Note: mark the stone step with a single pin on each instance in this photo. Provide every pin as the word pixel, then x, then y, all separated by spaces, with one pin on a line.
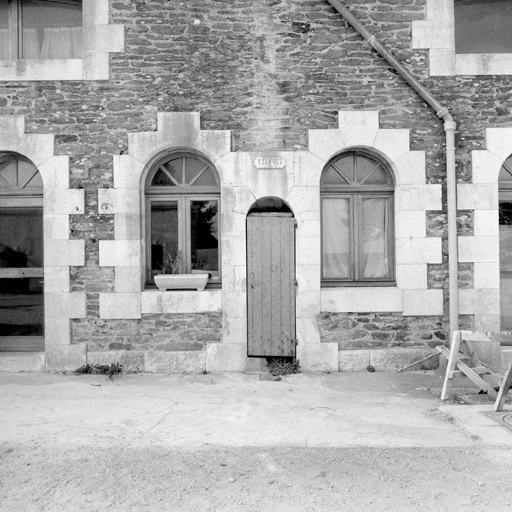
pixel 15 362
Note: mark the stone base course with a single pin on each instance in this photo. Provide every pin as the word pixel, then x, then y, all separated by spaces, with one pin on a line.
pixel 385 360
pixel 22 362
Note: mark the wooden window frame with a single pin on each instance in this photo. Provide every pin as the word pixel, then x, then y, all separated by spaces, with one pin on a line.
pixel 356 193
pixel 184 195
pixel 15 23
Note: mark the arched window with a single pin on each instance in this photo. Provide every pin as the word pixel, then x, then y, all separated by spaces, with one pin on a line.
pixel 505 221
pixel 182 198
pixel 21 254
pixel 357 221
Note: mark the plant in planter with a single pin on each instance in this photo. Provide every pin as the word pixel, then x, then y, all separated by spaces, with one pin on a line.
pixel 170 277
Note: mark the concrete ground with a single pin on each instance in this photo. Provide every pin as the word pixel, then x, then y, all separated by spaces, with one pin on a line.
pixel 64 425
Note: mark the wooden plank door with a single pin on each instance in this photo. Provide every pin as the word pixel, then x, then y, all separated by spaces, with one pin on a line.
pixel 271 284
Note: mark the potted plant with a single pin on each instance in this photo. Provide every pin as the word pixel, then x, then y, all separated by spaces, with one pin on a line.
pixel 170 277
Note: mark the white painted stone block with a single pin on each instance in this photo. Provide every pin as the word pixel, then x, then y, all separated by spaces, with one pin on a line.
pixel 96 12
pixel 308 250
pixel 410 224
pixel 57 333
pixel 234 278
pixel 417 197
pixel 442 62
pixel 391 360
pixel 479 301
pixel 226 357
pixel 438 34
pixel 14 362
pixel 40 69
pixel 361 299
pixel 127 226
pixel 118 200
pixel 308 303
pixel 64 305
pixel 215 144
pixel 308 330
pixel 234 329
pixel 308 278
pixel 478 248
pixel 325 143
pixel 483 196
pixel 181 301
pixel 127 280
pixel 182 127
pixel 358 127
pixel 499 142
pixel 485 166
pixel 234 305
pixel 55 172
pixel 236 199
pixel 353 360
pixel 103 38
pixel 61 202
pixel 127 172
pixel 269 182
pixel 411 277
pixel 440 10
pixel 96 66
pixel 56 279
pixel 58 253
pixel 410 169
pixel 489 323
pixel 304 199
pixel 234 251
pixel 122 253
pixel 318 357
pixel 233 224
pixel 308 169
pixel 119 306
pixel 483 64
pixel 418 250
pixel 486 275
pixel 175 362
pixel 392 143
pixel 486 223
pixel 66 358
pixel 56 227
pixel 308 223
pixel 422 302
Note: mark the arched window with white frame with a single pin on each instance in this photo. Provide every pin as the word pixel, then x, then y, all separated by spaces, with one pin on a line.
pixel 182 194
pixel 357 191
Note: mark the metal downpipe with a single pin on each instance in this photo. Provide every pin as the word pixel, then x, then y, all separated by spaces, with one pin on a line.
pixel 449 128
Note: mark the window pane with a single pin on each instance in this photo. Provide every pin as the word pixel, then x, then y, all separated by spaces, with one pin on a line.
pixel 52 30
pixel 164 233
pixel 345 166
pixel 21 307
pixel 332 177
pixel 483 26
pixel 506 171
pixel 192 168
pixel 336 238
pixel 204 236
pixel 374 258
pixel 21 237
pixel 5 49
pixel 207 179
pixel 505 220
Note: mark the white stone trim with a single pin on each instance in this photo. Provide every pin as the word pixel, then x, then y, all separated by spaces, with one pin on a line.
pixel 100 37
pixel 437 34
pixel 59 251
pixel 483 300
pixel 413 198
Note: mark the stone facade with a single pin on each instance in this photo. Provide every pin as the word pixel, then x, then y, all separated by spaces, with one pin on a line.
pixel 235 81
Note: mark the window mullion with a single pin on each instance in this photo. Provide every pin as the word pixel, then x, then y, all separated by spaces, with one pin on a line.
pixel 354 231
pixel 184 234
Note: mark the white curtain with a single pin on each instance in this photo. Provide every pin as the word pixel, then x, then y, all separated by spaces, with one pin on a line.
pixel 374 242
pixel 31 43
pixel 62 43
pixel 4 43
pixel 336 238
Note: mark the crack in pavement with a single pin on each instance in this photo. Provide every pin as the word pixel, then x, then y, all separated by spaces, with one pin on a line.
pixel 162 420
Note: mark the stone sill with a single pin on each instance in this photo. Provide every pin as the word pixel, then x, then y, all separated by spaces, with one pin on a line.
pixel 181 301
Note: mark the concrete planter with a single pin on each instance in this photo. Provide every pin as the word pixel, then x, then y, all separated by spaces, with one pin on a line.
pixel 181 281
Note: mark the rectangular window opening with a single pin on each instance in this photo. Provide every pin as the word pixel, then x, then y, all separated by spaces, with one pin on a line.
pixel 40 29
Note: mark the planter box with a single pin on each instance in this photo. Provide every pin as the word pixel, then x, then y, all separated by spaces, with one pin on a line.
pixel 181 281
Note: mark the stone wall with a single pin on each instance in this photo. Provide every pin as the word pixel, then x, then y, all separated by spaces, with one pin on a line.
pixel 269 71
pixel 166 332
